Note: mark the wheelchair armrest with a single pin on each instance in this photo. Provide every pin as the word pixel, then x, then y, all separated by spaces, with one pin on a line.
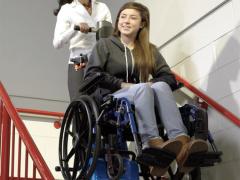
pixel 89 85
pixel 179 85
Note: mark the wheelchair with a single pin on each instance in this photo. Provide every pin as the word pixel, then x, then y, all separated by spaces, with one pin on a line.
pixel 95 147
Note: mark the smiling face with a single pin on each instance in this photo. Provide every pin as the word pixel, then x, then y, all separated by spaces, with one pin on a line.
pixel 129 22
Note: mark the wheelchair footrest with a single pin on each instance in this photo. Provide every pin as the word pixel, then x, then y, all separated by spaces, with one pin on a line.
pixel 203 159
pixel 155 157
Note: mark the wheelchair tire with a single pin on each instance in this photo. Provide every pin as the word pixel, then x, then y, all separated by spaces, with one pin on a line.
pixel 79 146
pixel 117 167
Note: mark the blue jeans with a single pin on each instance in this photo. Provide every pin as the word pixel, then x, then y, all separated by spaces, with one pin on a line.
pixel 145 98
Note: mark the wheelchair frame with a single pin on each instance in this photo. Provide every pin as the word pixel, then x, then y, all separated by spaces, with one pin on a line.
pixel 101 136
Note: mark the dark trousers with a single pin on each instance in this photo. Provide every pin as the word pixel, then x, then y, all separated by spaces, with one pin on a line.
pixel 74 80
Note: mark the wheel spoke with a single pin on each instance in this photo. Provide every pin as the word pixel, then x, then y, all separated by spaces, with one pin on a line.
pixel 81 125
pixel 75 166
pixel 69 156
pixel 83 145
pixel 70 133
pixel 82 158
pixel 84 134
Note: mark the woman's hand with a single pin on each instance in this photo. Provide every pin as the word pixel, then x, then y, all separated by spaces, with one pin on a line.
pixel 79 66
pixel 126 85
pixel 84 28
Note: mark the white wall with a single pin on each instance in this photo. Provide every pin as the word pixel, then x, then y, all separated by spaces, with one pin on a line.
pixel 33 72
pixel 172 16
pixel 208 56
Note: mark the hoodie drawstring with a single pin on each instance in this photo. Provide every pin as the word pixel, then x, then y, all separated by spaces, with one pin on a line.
pixel 132 62
pixel 126 59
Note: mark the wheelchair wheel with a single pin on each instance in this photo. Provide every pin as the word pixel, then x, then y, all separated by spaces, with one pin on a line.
pixel 115 168
pixel 79 145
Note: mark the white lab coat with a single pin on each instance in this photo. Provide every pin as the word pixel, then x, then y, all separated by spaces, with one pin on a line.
pixel 74 14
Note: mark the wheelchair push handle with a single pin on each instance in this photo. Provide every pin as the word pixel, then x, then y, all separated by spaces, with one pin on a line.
pixel 103 29
pixel 82 58
pixel 91 29
pixel 104 26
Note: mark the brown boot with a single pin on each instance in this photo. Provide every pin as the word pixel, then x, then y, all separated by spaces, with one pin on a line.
pixel 173 146
pixel 189 147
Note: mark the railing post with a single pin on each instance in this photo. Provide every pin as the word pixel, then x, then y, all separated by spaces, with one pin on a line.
pixel 6 128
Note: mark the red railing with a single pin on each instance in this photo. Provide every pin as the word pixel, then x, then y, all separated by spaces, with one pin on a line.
pixel 10 122
pixel 41 112
pixel 210 101
pixel 57 115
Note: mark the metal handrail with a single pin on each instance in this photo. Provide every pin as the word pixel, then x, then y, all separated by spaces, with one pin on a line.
pixel 210 101
pixel 31 147
pixel 40 112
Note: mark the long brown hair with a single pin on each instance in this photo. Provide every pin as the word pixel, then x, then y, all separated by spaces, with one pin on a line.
pixel 143 49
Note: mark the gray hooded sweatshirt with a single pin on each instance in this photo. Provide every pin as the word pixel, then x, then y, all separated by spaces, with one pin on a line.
pixel 115 61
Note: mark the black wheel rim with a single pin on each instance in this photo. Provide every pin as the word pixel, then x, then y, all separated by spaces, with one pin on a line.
pixel 77 157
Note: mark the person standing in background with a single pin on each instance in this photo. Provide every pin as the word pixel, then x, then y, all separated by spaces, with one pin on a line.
pixel 85 14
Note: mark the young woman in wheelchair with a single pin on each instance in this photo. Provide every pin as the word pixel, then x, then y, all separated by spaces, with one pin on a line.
pixel 134 68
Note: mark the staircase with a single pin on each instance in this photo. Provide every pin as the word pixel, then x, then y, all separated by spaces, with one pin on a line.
pixel 19 156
